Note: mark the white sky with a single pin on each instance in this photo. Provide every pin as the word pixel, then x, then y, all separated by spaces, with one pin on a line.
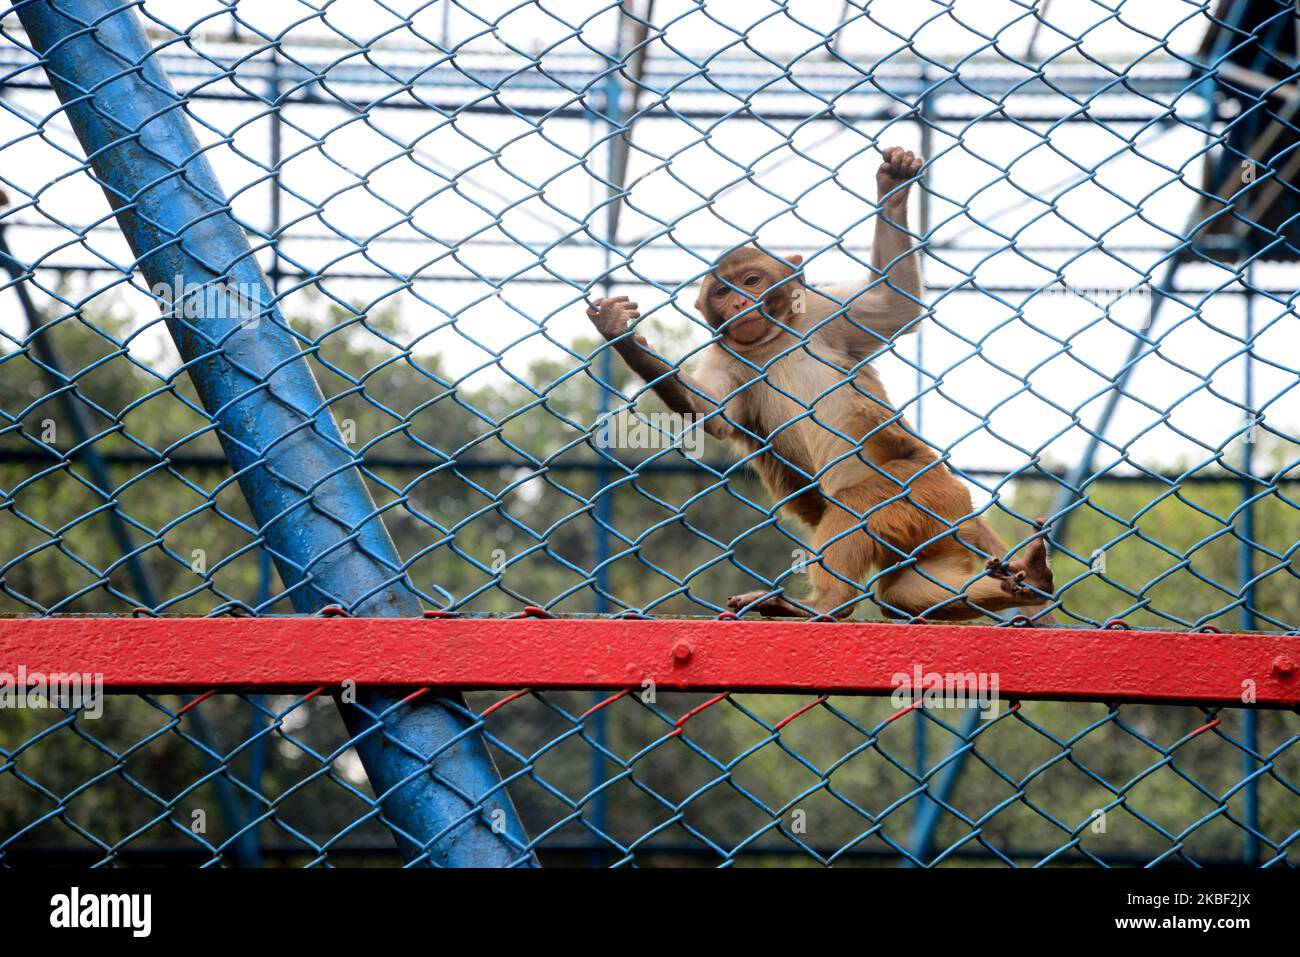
pixel 349 182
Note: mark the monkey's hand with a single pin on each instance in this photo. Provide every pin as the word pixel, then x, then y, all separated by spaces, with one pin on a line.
pixel 898 170
pixel 611 316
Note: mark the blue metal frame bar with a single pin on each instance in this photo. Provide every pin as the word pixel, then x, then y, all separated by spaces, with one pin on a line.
pixel 1074 494
pixel 1246 582
pixel 930 811
pixel 1035 474
pixel 439 790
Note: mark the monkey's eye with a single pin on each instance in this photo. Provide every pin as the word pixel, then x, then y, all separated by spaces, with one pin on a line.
pixel 752 279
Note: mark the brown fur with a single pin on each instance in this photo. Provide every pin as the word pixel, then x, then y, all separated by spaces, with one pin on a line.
pixel 877 498
pixel 793 364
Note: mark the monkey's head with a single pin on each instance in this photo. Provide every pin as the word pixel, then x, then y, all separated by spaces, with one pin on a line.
pixel 746 291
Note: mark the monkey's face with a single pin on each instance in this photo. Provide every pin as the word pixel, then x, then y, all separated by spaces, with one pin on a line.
pixel 746 299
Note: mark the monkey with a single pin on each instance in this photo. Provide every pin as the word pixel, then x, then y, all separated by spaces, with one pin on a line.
pixel 787 379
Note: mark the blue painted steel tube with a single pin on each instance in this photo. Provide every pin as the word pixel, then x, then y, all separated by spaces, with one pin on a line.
pixel 1073 493
pixel 438 788
pixel 930 811
pixel 598 813
pixel 1246 575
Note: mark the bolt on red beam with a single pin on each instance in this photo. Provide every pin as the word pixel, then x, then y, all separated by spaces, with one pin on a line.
pixel 466 653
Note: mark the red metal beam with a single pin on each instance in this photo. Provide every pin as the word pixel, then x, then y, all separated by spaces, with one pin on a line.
pixel 1102 665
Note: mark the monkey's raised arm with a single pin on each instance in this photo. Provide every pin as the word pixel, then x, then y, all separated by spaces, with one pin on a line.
pixel 679 392
pixel 889 306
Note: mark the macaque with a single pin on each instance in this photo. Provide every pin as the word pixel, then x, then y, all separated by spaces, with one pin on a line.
pixel 788 377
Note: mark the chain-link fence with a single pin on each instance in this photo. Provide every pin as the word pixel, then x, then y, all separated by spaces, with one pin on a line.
pixel 327 344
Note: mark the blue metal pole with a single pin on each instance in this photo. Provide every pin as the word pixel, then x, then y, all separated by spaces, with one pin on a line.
pixel 1073 491
pixel 1245 578
pixel 605 502
pixel 439 790
pixel 599 722
pixel 1245 548
pixel 928 813
pixel 925 806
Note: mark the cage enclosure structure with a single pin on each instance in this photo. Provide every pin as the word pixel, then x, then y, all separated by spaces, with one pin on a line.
pixel 333 532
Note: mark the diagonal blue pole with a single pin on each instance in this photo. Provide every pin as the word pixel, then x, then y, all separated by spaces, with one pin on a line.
pixel 437 786
pixel 930 811
pixel 1073 492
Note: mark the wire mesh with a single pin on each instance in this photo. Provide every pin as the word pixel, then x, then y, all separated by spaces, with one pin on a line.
pixel 1107 223
pixel 689 780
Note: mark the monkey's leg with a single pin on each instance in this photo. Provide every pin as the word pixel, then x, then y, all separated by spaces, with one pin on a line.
pixel 848 550
pixel 845 551
pixel 979 534
pixel 1021 577
pixel 951 587
pixel 950 580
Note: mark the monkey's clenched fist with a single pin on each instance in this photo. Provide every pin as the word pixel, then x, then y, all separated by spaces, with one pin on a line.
pixel 898 169
pixel 611 316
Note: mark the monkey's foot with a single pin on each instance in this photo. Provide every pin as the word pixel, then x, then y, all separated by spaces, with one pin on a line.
pixel 773 606
pixel 1029 577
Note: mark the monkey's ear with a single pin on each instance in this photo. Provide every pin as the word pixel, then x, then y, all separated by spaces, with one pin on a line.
pixel 796 260
pixel 701 300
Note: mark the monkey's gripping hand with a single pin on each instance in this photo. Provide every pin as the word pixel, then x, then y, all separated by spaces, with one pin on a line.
pixel 611 316
pixel 675 388
pixel 894 177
